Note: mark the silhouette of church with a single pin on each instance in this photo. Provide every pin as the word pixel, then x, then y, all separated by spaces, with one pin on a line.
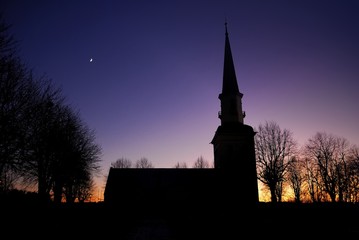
pixel 233 179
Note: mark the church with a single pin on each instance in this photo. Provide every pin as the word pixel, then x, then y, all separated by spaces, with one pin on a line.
pixel 233 179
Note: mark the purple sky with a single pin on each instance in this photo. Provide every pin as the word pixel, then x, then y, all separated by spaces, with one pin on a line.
pixel 152 87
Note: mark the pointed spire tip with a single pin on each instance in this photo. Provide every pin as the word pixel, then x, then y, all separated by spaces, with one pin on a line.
pixel 225 24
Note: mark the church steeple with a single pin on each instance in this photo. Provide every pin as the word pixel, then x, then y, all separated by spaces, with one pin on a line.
pixel 230 85
pixel 233 142
pixel 231 98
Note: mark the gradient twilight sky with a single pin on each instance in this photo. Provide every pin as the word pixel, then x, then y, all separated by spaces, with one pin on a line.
pixel 152 87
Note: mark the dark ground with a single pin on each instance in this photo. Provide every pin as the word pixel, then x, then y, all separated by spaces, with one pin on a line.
pixel 194 221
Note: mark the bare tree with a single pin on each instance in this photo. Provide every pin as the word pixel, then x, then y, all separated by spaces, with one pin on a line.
pixel 84 190
pixel 17 94
pixel 274 148
pixel 353 182
pixel 181 165
pixel 311 174
pixel 143 163
pixel 82 165
pixel 121 163
pixel 61 149
pixel 329 152
pixel 296 177
pixel 201 163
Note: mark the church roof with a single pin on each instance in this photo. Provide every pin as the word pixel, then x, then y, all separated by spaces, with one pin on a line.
pixel 160 186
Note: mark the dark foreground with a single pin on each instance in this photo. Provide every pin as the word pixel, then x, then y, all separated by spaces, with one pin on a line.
pixel 194 221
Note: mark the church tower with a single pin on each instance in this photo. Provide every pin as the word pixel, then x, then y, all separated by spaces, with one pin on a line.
pixel 233 142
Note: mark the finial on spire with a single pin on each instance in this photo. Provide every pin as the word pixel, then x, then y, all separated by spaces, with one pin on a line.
pixel 225 24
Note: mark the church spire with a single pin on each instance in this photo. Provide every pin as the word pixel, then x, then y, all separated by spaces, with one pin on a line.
pixel 230 85
pixel 231 98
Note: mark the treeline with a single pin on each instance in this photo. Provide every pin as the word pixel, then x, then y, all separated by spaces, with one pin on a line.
pixel 325 169
pixel 44 144
pixel 145 163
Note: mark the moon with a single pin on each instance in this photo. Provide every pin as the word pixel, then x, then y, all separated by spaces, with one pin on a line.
pixel 91 59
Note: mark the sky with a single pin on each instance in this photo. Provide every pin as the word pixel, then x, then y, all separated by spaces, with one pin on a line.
pixel 151 89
